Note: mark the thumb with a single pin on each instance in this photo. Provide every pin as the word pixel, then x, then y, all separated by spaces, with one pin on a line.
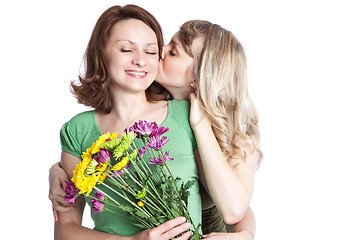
pixel 192 97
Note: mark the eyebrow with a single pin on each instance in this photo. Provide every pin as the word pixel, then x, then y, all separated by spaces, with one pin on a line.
pixel 133 43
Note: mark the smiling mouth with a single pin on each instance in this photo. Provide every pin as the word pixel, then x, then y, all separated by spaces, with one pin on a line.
pixel 136 74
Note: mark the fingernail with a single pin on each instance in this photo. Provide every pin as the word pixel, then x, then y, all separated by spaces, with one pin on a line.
pixel 183 219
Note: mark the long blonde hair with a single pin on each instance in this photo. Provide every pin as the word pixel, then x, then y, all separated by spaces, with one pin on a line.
pixel 222 88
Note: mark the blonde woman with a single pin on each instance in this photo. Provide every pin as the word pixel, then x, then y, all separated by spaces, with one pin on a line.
pixel 208 60
pixel 191 63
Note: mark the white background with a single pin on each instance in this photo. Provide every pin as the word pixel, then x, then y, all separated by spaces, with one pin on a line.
pixel 304 73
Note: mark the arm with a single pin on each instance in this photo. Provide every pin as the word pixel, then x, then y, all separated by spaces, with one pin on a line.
pixel 246 228
pixel 243 230
pixel 68 225
pixel 219 174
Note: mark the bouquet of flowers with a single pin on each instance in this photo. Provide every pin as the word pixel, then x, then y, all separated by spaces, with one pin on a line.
pixel 152 194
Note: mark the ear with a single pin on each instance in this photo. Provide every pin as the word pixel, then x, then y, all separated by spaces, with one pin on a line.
pixel 193 84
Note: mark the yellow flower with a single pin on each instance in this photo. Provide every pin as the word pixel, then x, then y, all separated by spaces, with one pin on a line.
pixel 120 164
pixel 101 140
pixel 102 178
pixel 102 166
pixel 87 153
pixel 79 171
pixel 140 203
pixel 87 184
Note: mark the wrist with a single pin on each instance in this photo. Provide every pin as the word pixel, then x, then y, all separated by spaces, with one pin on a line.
pixel 204 122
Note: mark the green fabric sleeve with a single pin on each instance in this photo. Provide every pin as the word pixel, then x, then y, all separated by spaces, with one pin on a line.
pixel 69 142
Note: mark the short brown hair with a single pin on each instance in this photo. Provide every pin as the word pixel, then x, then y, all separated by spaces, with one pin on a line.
pixel 93 89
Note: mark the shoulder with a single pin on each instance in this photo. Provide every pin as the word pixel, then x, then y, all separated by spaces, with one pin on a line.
pixel 81 119
pixel 179 114
pixel 79 124
pixel 179 109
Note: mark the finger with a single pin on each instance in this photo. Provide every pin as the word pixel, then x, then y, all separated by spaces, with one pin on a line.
pixel 58 190
pixel 186 235
pixel 192 97
pixel 58 198
pixel 56 217
pixel 170 224
pixel 58 207
pixel 177 230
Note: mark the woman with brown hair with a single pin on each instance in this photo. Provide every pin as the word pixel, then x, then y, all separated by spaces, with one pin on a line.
pixel 121 64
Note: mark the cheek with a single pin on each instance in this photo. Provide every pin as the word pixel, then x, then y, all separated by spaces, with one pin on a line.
pixel 172 69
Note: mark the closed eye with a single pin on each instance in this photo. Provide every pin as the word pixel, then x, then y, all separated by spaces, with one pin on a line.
pixel 171 52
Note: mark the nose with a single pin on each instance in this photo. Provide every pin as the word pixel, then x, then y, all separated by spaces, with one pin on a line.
pixel 139 59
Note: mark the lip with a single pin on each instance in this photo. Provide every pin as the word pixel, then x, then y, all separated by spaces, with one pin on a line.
pixel 136 74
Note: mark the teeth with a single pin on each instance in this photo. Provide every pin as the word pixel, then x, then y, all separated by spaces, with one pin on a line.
pixel 137 73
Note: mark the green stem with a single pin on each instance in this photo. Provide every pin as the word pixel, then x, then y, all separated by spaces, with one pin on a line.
pixel 177 192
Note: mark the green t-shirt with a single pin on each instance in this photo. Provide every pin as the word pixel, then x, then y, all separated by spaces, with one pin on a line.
pixel 81 131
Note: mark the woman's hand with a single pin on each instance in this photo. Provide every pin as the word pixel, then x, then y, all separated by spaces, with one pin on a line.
pixel 197 115
pixel 242 235
pixel 167 230
pixel 57 178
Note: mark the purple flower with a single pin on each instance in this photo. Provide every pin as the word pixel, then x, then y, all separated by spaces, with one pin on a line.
pixel 156 161
pixel 143 128
pixel 103 155
pixel 70 192
pixel 98 206
pixel 159 131
pixel 159 161
pixel 142 151
pixel 156 143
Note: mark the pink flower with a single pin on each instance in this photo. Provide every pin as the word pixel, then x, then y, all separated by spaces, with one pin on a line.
pixel 156 143
pixel 159 131
pixel 142 151
pixel 103 155
pixel 159 161
pixel 98 206
pixel 143 128
pixel 70 192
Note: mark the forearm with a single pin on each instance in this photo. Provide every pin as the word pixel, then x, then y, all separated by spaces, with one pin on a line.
pixel 69 231
pixel 69 226
pixel 221 177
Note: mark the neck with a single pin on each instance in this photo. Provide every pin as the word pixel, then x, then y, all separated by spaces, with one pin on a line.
pixel 179 93
pixel 129 107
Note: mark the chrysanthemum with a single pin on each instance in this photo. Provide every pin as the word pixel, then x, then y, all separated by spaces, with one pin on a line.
pixel 104 155
pixel 97 205
pixel 120 164
pixel 91 167
pixel 143 128
pixel 87 184
pixel 126 140
pixel 159 160
pixel 101 140
pixel 159 131
pixel 142 150
pixel 117 173
pixel 70 192
pixel 157 143
pixel 101 167
pixel 79 171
